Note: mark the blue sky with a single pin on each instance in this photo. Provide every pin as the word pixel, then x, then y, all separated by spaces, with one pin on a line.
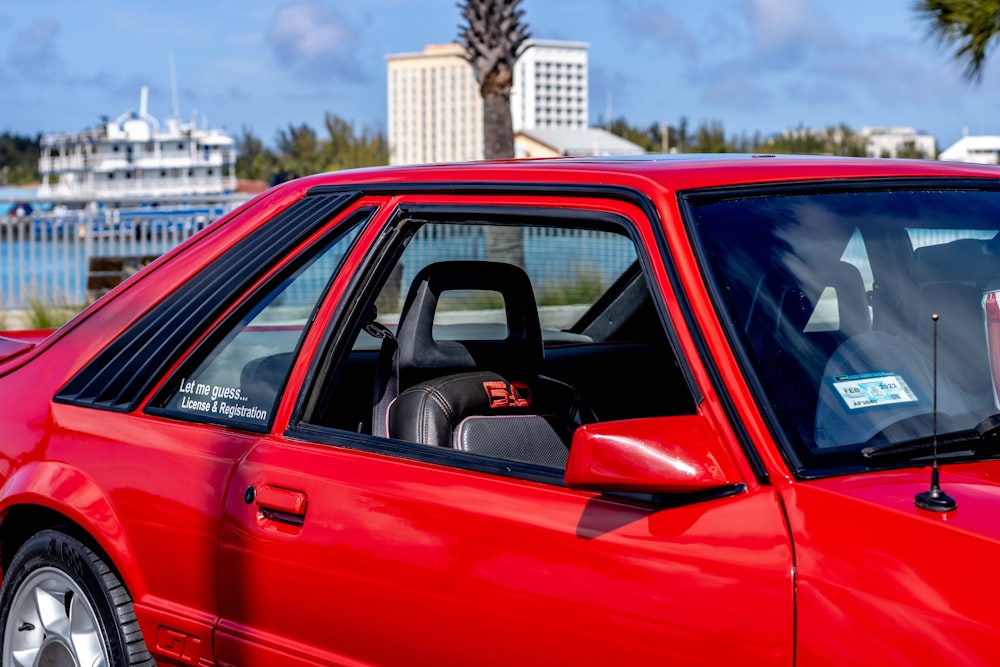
pixel 762 65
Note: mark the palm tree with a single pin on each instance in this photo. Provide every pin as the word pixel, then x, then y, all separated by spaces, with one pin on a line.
pixel 492 38
pixel 971 26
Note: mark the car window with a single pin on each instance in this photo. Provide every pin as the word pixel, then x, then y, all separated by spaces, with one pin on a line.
pixel 569 270
pixel 236 377
pixel 526 346
pixel 830 294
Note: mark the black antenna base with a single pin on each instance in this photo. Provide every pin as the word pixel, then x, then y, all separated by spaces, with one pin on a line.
pixel 934 499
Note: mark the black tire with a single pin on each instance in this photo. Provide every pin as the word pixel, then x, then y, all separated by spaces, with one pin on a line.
pixel 59 568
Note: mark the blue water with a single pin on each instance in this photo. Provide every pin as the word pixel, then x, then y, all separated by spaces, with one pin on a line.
pixel 53 272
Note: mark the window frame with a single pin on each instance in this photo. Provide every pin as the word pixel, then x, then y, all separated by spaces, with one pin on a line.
pixel 403 223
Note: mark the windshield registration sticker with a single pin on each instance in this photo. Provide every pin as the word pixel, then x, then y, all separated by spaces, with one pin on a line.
pixel 870 390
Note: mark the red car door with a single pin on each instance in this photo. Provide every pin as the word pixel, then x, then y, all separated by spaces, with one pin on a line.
pixel 355 549
pixel 346 557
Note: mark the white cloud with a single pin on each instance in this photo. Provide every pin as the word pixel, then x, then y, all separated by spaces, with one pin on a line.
pixel 33 53
pixel 657 26
pixel 315 41
pixel 786 31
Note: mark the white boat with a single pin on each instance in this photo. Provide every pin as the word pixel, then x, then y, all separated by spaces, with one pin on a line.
pixel 134 156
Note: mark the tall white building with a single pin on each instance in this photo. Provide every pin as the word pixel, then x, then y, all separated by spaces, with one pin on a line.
pixel 550 86
pixel 435 112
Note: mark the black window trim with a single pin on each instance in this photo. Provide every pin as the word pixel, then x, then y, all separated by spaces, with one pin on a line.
pixel 120 376
pixel 356 218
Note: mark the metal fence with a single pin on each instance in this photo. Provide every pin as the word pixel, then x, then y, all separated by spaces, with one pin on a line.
pixel 49 255
pixel 551 255
pixel 55 256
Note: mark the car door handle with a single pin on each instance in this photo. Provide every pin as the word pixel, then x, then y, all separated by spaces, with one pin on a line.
pixel 278 504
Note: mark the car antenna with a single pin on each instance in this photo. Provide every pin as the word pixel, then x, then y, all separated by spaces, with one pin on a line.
pixel 934 499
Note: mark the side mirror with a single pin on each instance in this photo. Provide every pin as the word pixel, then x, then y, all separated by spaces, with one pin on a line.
pixel 657 455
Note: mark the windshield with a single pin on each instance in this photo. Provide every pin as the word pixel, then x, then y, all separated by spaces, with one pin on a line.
pixel 829 293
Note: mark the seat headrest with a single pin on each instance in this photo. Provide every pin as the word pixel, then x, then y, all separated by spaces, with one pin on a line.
pixel 520 353
pixel 794 307
pixel 964 260
pixel 852 299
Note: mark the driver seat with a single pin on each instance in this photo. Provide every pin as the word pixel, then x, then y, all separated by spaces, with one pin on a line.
pixel 474 395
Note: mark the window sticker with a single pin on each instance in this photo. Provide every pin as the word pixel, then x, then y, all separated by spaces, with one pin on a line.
pixel 872 390
pixel 215 399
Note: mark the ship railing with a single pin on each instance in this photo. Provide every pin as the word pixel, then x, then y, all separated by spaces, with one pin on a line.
pixel 111 189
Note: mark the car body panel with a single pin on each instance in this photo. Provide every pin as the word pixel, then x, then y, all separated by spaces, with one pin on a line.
pixel 444 558
pixel 884 569
pixel 168 554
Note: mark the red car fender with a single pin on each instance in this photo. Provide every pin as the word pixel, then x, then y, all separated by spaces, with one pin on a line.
pixel 71 493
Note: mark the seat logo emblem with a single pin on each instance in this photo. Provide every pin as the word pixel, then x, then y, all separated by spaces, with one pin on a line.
pixel 503 395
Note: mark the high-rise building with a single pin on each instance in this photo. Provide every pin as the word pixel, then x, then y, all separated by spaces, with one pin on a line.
pixel 435 111
pixel 550 86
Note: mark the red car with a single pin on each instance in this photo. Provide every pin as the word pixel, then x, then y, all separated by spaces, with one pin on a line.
pixel 702 411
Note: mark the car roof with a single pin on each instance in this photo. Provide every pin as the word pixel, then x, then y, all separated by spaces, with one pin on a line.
pixel 660 172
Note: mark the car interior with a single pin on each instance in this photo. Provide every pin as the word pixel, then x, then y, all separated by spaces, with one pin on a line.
pixel 884 325
pixel 497 382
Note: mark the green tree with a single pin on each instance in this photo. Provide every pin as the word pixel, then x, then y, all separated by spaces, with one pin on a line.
pixel 253 159
pixel 971 27
pixel 847 142
pixel 299 151
pixel 909 150
pixel 492 37
pixel 710 137
pixel 681 138
pixel 19 159
pixel 650 138
pixel 347 149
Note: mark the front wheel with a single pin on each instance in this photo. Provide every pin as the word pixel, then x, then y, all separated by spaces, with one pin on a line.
pixel 62 605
